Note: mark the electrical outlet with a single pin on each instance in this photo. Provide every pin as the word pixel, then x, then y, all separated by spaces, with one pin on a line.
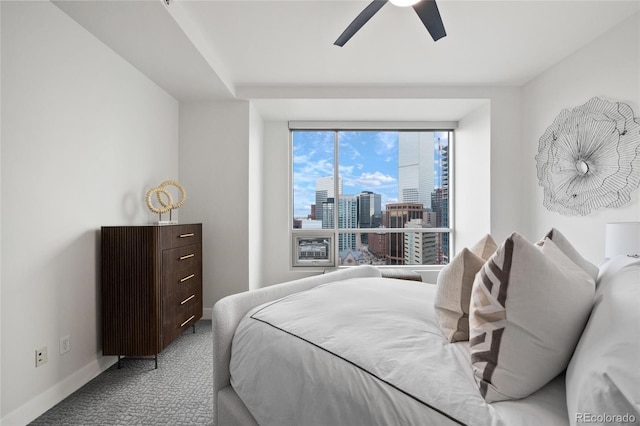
pixel 65 344
pixel 41 356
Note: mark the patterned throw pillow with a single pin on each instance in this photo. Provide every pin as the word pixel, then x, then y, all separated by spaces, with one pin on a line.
pixel 528 308
pixel 453 292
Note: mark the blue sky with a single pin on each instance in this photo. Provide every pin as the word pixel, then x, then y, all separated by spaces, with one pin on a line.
pixel 368 162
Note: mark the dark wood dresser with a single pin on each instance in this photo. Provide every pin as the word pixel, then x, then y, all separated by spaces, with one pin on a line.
pixel 151 287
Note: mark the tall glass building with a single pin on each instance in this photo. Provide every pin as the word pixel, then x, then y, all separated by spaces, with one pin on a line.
pixel 415 167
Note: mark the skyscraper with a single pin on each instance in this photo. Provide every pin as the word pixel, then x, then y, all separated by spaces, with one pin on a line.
pixel 325 189
pixel 420 248
pixel 440 202
pixel 443 149
pixel 415 167
pixel 369 212
pixel 328 207
pixel 397 215
pixel 347 218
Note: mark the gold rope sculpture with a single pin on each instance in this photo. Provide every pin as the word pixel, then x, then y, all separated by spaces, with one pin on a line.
pixel 164 198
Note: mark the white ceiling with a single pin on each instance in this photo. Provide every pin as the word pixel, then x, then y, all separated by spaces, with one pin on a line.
pixel 487 42
pixel 213 49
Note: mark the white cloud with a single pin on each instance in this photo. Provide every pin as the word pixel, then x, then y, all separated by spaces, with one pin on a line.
pixel 386 141
pixel 374 179
pixel 346 170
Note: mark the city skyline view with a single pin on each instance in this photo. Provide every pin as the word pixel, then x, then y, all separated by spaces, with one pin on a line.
pixel 368 162
pixel 387 179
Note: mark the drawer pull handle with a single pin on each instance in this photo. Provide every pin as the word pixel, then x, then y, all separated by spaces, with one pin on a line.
pixel 187 235
pixel 187 278
pixel 187 299
pixel 187 256
pixel 190 318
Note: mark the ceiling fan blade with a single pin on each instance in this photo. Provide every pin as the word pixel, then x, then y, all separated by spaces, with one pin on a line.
pixel 360 20
pixel 429 14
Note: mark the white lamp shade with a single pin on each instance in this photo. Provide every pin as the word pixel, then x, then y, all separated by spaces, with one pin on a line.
pixel 622 238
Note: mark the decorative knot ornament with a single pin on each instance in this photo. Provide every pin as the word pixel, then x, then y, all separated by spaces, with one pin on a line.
pixel 164 198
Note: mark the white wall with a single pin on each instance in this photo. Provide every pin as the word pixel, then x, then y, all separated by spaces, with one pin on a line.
pixel 214 169
pixel 608 68
pixel 84 135
pixel 507 200
pixel 472 180
pixel 256 196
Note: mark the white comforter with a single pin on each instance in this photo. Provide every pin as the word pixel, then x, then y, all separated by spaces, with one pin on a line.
pixel 367 351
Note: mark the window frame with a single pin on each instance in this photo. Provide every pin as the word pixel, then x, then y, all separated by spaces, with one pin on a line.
pixel 354 126
pixel 298 262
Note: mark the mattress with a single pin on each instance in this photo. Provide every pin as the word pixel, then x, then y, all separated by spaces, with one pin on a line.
pixel 367 351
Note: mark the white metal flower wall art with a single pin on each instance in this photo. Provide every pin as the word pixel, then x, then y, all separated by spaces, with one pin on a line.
pixel 164 198
pixel 590 158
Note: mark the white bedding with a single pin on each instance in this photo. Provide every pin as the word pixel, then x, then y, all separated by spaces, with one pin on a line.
pixel 367 351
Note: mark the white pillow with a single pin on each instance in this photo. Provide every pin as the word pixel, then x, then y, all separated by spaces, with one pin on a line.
pixel 528 308
pixel 603 376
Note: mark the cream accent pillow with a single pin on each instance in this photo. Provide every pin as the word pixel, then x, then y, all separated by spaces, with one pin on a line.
pixel 485 247
pixel 563 244
pixel 528 308
pixel 453 291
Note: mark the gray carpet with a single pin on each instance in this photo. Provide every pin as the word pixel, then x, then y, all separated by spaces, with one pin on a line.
pixel 179 392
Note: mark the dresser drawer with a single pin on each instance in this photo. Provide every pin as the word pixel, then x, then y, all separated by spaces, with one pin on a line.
pixel 183 307
pixel 181 265
pixel 183 290
pixel 181 312
pixel 180 235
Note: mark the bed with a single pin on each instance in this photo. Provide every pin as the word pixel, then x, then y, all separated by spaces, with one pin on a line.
pixel 354 348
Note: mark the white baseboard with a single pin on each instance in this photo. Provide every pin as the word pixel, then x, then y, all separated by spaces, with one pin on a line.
pixel 207 313
pixel 34 408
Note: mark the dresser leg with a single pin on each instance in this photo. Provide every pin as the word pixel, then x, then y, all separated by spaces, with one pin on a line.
pixel 156 361
pixel 193 326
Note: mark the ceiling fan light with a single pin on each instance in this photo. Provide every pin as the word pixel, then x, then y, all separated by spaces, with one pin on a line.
pixel 404 3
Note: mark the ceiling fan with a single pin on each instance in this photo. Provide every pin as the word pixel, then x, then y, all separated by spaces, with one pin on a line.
pixel 427 11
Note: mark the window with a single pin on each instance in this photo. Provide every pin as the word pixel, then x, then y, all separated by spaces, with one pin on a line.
pixel 380 196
